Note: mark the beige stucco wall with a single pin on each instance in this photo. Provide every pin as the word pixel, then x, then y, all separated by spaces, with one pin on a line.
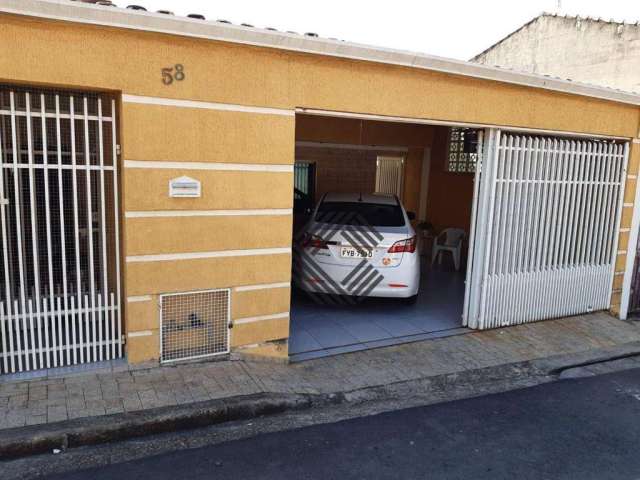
pixel 129 62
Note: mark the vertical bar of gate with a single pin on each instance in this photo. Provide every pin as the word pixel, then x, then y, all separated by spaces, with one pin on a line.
pixel 479 319
pixel 472 228
pixel 112 318
pixel 103 232
pixel 18 319
pixel 45 318
pixel 58 320
pixel 86 310
pixel 587 220
pixel 92 282
pixel 575 175
pixel 537 265
pixel 562 199
pixel 608 180
pixel 63 240
pixel 25 337
pixel 582 151
pixel 584 195
pixel 495 278
pixel 34 225
pixel 596 237
pixel 603 159
pixel 496 271
pixel 117 222
pixel 589 214
pixel 5 263
pixel 34 360
pixel 76 227
pixel 549 295
pixel 565 233
pixel 621 175
pixel 525 290
pixel 5 353
pixel 611 200
pixel 75 317
pixel 47 203
pixel 19 239
pixel 532 224
pixel 563 254
pixel 512 184
pixel 518 315
pixel 616 154
pixel 50 317
pixel 501 233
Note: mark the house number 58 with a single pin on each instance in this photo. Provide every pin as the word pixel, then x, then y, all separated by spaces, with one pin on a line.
pixel 170 74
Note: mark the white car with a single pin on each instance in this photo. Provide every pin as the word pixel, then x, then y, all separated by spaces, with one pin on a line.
pixel 359 245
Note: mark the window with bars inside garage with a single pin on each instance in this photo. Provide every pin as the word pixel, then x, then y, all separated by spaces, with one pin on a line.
pixel 462 153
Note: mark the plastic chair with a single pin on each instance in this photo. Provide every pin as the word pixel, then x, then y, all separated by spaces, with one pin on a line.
pixel 452 243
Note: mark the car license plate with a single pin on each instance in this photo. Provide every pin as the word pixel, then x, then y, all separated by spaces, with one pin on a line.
pixel 352 252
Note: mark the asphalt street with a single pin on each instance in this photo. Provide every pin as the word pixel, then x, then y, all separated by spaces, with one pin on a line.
pixel 583 429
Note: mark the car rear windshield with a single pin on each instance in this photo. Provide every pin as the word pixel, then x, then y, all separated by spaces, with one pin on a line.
pixel 356 213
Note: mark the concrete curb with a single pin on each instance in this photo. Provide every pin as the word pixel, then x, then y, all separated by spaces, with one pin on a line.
pixel 38 439
pixel 556 364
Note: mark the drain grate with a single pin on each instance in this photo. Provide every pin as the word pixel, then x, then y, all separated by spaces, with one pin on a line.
pixel 194 324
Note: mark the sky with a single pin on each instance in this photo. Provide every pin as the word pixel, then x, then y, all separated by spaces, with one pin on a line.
pixel 449 28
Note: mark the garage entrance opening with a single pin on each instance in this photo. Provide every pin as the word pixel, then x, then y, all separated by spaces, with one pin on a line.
pixel 382 215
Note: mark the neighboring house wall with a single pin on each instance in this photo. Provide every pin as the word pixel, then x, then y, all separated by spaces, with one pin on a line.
pixel 582 49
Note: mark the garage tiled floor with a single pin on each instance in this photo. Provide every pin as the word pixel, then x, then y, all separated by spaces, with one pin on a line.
pixel 322 330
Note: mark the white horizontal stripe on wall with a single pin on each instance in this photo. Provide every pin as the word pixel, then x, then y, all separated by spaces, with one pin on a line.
pixel 139 298
pixel 227 107
pixel 239 167
pixel 142 333
pixel 261 318
pixel 211 213
pixel 198 255
pixel 264 286
pixel 636 140
pixel 251 345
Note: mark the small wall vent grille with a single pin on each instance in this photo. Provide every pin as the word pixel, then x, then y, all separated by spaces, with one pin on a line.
pixel 194 325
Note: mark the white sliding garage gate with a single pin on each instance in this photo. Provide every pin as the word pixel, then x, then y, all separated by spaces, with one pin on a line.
pixel 547 213
pixel 60 279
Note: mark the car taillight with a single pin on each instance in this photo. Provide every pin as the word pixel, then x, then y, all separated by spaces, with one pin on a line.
pixel 312 241
pixel 408 245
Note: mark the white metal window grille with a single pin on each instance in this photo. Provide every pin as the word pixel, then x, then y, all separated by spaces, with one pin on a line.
pixel 462 155
pixel 389 175
pixel 60 278
pixel 548 216
pixel 194 325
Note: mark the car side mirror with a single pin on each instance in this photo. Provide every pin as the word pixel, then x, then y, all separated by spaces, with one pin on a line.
pixel 411 215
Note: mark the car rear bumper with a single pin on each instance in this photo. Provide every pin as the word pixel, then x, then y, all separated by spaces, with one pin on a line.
pixel 402 281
